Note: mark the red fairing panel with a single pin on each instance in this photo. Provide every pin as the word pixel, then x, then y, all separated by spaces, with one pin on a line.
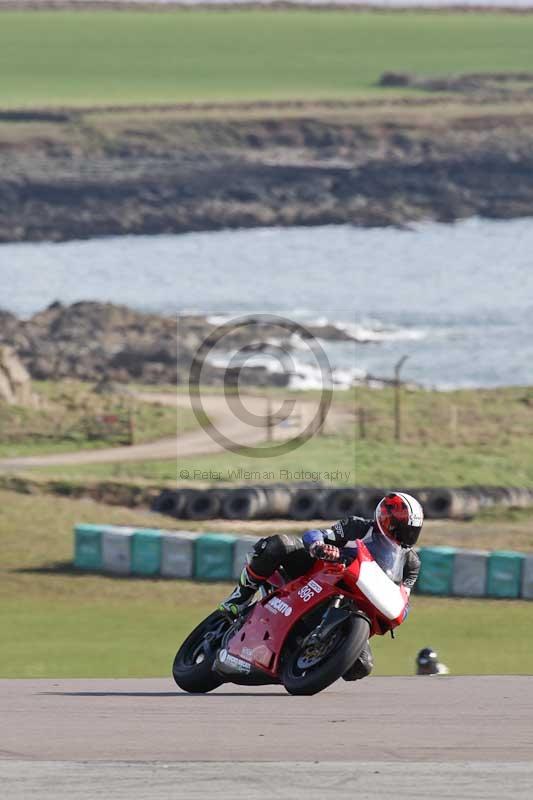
pixel 261 639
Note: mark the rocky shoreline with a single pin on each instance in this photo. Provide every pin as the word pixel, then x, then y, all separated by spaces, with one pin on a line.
pixel 105 343
pixel 80 174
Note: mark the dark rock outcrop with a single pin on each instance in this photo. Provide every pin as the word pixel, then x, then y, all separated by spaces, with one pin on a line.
pixel 385 163
pixel 104 343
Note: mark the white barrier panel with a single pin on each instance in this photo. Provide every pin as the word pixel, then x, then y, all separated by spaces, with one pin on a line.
pixel 177 554
pixel 527 577
pixel 116 550
pixel 243 546
pixel 470 573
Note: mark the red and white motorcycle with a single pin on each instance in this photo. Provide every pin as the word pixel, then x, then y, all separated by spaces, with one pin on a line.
pixel 304 633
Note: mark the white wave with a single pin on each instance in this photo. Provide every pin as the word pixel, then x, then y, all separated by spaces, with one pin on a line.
pixel 220 319
pixel 320 322
pixel 368 333
pixel 307 377
pixel 301 375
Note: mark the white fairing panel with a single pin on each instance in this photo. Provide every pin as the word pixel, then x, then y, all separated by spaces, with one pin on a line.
pixel 384 595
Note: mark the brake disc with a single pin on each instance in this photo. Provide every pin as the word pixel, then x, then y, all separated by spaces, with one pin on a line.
pixel 315 652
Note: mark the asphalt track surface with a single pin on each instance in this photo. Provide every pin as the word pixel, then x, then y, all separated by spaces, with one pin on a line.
pixel 449 737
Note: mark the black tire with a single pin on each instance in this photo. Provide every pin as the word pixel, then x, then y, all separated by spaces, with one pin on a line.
pixel 190 673
pixel 306 504
pixel 368 500
pixel 351 637
pixel 340 503
pixel 171 503
pixel 202 504
pixel 248 502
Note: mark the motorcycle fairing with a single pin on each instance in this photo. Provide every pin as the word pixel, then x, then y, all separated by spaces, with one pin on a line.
pixel 261 638
pixel 384 602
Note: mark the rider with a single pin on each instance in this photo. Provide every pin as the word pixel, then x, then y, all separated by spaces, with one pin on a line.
pixel 398 516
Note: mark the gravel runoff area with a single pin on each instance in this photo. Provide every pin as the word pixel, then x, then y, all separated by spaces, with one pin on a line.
pixel 453 737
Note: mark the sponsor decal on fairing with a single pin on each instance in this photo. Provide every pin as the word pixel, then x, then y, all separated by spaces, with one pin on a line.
pixel 276 604
pixel 233 662
pixel 308 591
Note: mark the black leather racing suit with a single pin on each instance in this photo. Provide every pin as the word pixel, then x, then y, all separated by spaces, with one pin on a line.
pixel 291 553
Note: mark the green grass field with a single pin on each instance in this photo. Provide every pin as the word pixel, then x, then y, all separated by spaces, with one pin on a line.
pixel 58 623
pixel 57 424
pixel 63 638
pixel 85 58
pixel 368 463
pixel 489 443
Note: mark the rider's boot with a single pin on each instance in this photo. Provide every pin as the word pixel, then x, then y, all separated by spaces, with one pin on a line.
pixel 242 595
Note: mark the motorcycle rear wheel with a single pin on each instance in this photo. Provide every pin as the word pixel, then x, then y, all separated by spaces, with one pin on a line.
pixel 307 672
pixel 192 667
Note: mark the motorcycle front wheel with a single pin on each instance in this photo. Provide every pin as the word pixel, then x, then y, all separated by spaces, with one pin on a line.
pixel 307 669
pixel 192 669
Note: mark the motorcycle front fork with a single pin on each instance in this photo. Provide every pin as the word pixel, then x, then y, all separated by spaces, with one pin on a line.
pixel 332 617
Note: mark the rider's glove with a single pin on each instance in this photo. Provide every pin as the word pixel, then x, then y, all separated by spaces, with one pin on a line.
pixel 326 552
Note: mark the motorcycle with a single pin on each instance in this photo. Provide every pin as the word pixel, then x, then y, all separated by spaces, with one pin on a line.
pixel 303 633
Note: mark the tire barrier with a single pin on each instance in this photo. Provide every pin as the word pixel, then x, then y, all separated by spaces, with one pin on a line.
pixel 316 501
pixel 504 496
pixel 249 502
pixel 450 504
pixel 340 503
pixel 171 502
pixel 307 504
pixel 279 498
pixel 368 500
pixel 202 504
pixel 144 552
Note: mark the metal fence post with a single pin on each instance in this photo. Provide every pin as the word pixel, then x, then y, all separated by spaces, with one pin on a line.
pixel 397 399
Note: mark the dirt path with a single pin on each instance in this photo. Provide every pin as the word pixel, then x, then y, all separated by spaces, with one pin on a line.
pixel 193 443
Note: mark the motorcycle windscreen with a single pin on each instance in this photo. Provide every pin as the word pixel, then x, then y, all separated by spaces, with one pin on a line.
pixel 384 594
pixel 388 554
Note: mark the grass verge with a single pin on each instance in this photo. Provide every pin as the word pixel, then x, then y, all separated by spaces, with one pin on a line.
pixel 448 438
pixel 56 622
pixel 59 639
pixel 70 417
pixel 319 458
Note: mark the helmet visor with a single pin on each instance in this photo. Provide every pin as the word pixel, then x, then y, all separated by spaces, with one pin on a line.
pixel 406 534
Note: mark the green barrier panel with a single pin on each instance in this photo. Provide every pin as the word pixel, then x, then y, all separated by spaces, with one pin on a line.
pixel 213 557
pixel 88 547
pixel 436 570
pixel 504 574
pixel 146 552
